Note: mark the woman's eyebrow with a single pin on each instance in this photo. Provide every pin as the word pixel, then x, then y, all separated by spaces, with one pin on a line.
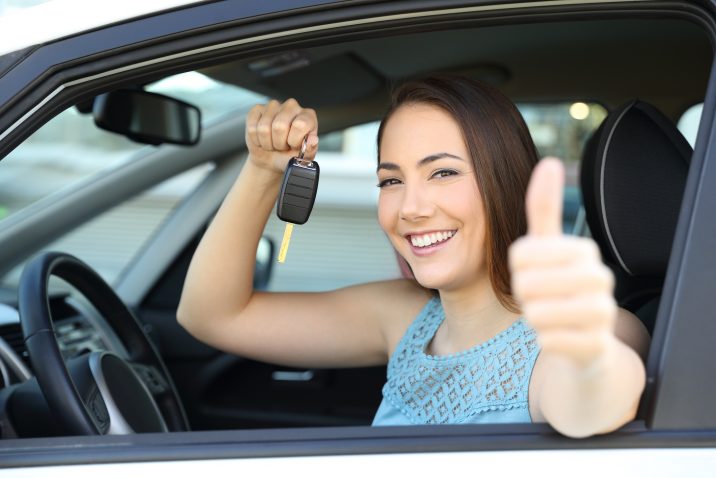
pixel 422 162
pixel 436 156
pixel 388 166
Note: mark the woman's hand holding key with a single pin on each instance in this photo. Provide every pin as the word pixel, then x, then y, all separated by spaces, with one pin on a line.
pixel 275 132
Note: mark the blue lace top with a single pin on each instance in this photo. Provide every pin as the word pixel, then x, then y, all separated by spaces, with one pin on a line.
pixel 485 384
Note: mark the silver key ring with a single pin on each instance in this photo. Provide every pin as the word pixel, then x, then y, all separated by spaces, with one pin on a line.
pixel 304 146
pixel 301 161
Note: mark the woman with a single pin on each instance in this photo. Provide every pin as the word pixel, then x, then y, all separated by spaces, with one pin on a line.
pixel 455 159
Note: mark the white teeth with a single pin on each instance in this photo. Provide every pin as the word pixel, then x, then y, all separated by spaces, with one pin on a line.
pixel 430 239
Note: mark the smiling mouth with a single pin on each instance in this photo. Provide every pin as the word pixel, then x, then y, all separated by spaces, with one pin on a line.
pixel 430 239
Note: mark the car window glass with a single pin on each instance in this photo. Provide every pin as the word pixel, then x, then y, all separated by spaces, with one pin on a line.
pixel 70 148
pixel 109 241
pixel 213 98
pixel 343 244
pixel 562 130
pixel 689 123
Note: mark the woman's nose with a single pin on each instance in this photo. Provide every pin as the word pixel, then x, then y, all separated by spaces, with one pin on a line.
pixel 416 203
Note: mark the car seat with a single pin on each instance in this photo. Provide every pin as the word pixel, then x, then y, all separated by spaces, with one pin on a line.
pixel 633 176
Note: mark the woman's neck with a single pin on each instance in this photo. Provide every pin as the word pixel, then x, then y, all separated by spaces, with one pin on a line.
pixel 472 316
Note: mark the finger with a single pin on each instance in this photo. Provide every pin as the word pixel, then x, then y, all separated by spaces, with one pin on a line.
pixel 597 311
pixel 312 144
pixel 252 120
pixel 544 198
pixel 536 251
pixel 304 125
pixel 565 281
pixel 265 125
pixel 582 346
pixel 282 124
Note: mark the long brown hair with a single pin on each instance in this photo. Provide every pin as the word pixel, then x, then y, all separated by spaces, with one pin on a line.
pixel 502 152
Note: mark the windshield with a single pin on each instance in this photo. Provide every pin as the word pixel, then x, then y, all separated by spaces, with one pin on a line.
pixel 70 151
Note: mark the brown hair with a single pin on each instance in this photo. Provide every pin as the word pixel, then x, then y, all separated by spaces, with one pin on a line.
pixel 502 152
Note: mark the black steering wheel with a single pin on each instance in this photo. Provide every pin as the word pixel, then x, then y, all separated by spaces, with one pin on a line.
pixel 95 393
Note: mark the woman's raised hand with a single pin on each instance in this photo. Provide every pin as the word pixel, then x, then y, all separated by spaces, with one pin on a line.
pixel 275 132
pixel 564 290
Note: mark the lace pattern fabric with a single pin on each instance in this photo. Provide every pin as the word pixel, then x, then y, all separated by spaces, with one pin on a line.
pixel 492 376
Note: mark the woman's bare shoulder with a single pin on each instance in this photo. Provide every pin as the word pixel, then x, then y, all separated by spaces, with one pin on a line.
pixel 630 330
pixel 393 296
pixel 395 304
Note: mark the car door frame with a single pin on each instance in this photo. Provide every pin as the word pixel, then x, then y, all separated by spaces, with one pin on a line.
pixel 682 402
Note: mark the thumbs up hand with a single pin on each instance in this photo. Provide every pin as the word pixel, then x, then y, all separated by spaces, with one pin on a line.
pixel 564 290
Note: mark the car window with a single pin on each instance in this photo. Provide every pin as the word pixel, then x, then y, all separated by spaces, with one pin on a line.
pixel 344 219
pixel 689 123
pixel 70 149
pixel 562 130
pixel 109 241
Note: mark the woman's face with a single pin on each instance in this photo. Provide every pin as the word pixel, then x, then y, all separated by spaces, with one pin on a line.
pixel 429 205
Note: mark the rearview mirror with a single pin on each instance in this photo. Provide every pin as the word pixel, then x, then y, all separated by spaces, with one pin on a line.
pixel 148 118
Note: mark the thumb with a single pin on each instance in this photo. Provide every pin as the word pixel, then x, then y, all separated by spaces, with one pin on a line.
pixel 544 198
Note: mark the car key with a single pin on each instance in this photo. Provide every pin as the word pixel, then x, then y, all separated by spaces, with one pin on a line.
pixel 297 195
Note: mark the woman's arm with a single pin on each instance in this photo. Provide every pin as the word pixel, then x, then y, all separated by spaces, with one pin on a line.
pixel 583 400
pixel 218 303
pixel 589 375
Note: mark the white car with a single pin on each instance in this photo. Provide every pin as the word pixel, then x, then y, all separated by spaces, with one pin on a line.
pixel 100 379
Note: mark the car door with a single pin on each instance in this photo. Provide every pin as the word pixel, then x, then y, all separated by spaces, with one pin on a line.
pixel 677 423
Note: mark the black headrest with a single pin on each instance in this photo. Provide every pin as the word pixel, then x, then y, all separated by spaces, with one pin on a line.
pixel 633 177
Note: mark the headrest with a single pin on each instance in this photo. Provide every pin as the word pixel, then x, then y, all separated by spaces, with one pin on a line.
pixel 633 177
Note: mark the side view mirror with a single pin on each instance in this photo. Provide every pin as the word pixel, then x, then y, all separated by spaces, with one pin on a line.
pixel 264 263
pixel 148 118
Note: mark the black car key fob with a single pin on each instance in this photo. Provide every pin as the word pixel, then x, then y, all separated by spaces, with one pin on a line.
pixel 298 190
pixel 297 195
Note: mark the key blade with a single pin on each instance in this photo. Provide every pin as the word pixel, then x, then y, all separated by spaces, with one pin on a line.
pixel 284 242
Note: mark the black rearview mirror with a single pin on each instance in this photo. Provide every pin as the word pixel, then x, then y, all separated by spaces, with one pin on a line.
pixel 148 118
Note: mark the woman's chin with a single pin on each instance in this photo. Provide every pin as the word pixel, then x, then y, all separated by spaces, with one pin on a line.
pixel 443 278
pixel 431 280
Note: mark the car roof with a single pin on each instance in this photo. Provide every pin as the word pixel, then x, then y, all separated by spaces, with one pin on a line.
pixel 25 27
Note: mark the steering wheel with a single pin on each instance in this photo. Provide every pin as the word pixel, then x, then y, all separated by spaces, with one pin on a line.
pixel 96 393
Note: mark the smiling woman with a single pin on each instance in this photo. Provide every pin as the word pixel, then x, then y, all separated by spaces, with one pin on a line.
pixel 453 182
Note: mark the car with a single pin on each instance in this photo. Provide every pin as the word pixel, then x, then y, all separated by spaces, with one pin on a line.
pixel 99 217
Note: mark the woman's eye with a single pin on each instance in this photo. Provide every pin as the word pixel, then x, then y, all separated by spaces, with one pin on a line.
pixel 443 173
pixel 388 182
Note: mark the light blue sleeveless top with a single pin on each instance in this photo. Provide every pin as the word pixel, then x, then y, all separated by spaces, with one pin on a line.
pixel 485 384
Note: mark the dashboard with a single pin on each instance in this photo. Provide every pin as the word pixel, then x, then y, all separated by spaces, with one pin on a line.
pixel 78 328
